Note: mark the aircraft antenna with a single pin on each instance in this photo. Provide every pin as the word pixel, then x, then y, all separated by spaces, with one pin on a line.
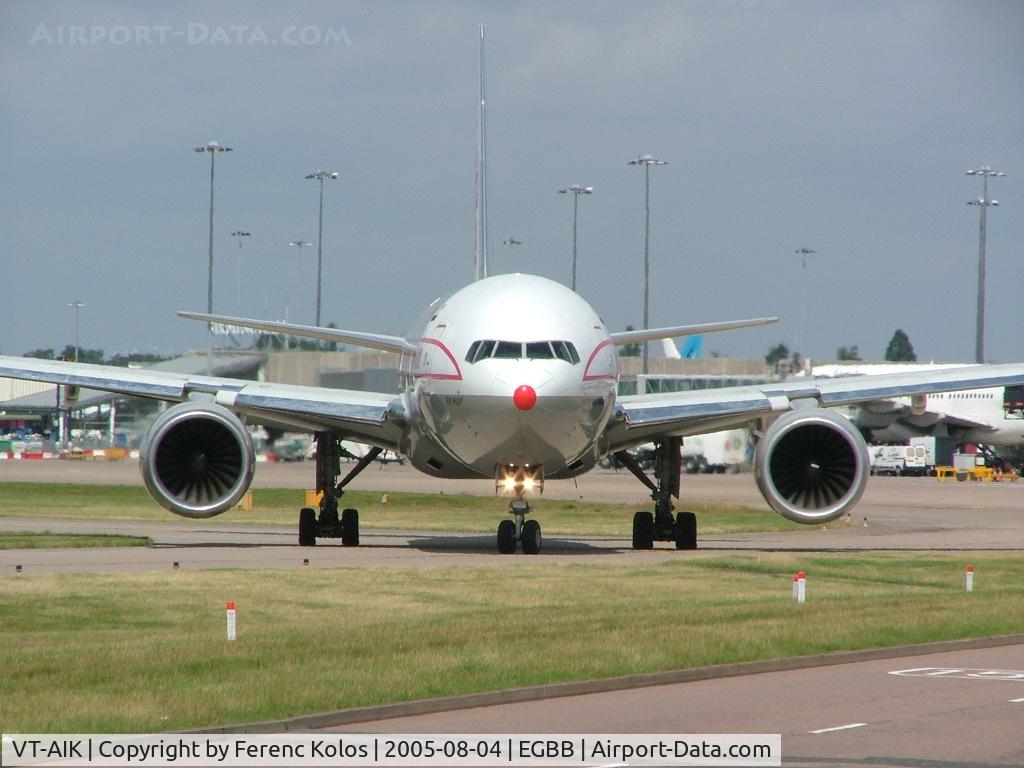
pixel 481 260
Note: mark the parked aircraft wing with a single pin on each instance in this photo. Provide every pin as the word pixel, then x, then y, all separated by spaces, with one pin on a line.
pixel 357 338
pixel 640 418
pixel 371 417
pixel 653 334
pixel 879 414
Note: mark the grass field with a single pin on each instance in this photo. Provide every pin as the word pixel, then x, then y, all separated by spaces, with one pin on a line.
pixel 146 652
pixel 69 540
pixel 408 511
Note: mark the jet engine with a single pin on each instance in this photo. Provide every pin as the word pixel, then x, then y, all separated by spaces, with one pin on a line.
pixel 197 459
pixel 811 465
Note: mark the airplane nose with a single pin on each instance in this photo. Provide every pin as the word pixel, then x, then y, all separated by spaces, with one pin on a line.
pixel 525 397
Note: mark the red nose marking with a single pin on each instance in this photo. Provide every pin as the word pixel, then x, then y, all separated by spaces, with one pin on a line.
pixel 525 397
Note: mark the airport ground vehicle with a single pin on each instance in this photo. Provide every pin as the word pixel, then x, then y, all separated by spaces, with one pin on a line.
pixel 898 460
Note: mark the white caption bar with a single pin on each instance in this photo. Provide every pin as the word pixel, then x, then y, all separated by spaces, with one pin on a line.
pixel 389 750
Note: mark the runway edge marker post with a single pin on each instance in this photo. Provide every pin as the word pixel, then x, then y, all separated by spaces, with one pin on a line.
pixel 800 587
pixel 969 579
pixel 232 634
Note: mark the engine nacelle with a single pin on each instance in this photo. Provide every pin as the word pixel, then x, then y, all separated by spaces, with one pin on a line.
pixel 197 459
pixel 811 465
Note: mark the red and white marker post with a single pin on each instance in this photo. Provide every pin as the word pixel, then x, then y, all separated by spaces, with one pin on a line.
pixel 232 627
pixel 800 587
pixel 969 579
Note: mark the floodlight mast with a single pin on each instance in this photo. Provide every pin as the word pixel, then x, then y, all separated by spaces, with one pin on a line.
pixel 320 175
pixel 647 161
pixel 238 234
pixel 983 204
pixel 77 306
pixel 803 299
pixel 576 190
pixel 212 148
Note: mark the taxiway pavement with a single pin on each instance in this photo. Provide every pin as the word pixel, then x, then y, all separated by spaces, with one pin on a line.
pixel 902 514
pixel 961 709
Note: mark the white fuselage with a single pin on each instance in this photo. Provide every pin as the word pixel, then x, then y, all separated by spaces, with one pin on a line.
pixel 536 391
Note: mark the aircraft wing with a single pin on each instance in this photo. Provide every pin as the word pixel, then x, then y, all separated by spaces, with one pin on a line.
pixel 640 418
pixel 653 334
pixel 357 338
pixel 881 414
pixel 370 417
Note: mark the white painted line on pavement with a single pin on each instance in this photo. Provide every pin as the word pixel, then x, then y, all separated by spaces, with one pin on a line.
pixel 1016 701
pixel 839 728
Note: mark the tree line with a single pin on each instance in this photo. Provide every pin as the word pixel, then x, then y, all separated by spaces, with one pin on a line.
pixel 899 350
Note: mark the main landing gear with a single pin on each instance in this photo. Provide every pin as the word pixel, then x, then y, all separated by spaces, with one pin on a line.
pixel 328 466
pixel 519 531
pixel 661 525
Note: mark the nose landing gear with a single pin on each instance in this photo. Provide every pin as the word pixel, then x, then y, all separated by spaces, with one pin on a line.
pixel 519 531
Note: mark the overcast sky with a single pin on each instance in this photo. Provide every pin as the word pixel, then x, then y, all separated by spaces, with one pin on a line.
pixel 844 127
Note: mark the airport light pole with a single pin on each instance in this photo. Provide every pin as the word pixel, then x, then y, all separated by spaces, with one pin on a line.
pixel 647 161
pixel 983 204
pixel 300 244
pixel 77 306
pixel 238 234
pixel 803 298
pixel 212 148
pixel 576 190
pixel 320 175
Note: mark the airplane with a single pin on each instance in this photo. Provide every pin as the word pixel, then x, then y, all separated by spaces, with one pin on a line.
pixel 989 415
pixel 513 378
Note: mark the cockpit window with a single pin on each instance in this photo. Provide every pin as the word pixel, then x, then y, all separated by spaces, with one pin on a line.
pixel 539 350
pixel 514 350
pixel 510 350
pixel 566 350
pixel 480 350
pixel 486 350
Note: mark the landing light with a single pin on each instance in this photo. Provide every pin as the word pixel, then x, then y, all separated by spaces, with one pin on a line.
pixel 519 479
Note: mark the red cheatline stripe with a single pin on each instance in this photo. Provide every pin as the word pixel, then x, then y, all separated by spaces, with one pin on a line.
pixel 457 376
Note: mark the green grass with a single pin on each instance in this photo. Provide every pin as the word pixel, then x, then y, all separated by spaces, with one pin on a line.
pixel 144 652
pixel 49 540
pixel 409 511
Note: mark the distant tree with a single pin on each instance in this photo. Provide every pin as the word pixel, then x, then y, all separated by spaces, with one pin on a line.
pixel 42 354
pixel 84 355
pixel 271 341
pixel 630 350
pixel 900 350
pixel 330 346
pixel 848 353
pixel 777 353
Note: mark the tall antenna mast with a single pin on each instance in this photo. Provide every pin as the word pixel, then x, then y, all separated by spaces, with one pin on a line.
pixel 481 260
